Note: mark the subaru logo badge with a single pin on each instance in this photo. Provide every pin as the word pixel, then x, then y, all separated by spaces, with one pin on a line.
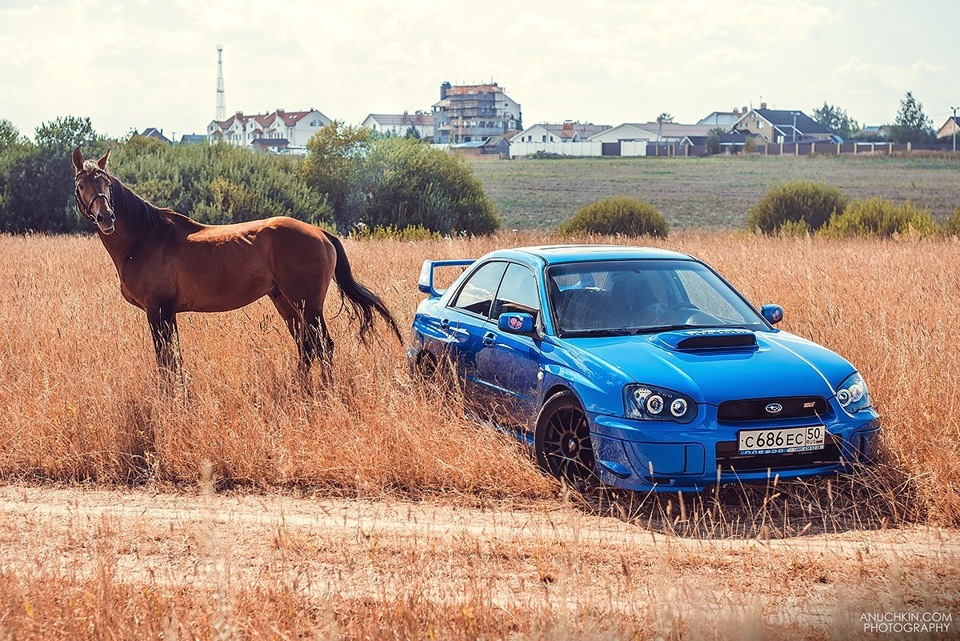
pixel 774 408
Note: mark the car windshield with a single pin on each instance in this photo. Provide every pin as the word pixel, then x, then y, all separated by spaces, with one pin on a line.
pixel 611 298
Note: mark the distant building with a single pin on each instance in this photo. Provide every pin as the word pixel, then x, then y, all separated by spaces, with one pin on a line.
pixel 400 124
pixel 782 125
pixel 722 119
pixel 651 132
pixel 157 134
pixel 279 130
pixel 569 131
pixel 192 139
pixel 467 113
pixel 949 127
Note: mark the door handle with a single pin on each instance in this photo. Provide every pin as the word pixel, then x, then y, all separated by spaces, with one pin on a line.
pixel 444 323
pixel 489 339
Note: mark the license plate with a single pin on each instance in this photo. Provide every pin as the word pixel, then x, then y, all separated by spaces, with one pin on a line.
pixel 782 441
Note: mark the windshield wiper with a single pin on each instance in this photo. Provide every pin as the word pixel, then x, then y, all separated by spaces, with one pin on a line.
pixel 671 328
pixel 579 333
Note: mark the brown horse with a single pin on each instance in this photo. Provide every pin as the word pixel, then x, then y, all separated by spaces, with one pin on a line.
pixel 168 264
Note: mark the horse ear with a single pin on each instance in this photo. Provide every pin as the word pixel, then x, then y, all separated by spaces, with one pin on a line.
pixel 78 159
pixel 102 163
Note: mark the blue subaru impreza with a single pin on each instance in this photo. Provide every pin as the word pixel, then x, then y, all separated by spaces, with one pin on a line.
pixel 641 368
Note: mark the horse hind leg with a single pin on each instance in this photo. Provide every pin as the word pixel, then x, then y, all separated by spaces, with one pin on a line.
pixel 309 331
pixel 166 342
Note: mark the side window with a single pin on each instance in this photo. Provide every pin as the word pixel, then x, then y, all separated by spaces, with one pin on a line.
pixel 477 293
pixel 518 292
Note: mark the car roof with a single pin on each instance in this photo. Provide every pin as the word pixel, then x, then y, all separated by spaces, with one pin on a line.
pixel 557 254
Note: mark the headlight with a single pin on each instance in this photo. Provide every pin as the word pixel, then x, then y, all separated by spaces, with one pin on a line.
pixel 853 395
pixel 650 403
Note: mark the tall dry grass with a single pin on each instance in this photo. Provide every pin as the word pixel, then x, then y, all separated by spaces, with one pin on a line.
pixel 80 400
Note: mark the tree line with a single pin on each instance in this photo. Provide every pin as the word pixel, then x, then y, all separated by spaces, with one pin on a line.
pixel 351 179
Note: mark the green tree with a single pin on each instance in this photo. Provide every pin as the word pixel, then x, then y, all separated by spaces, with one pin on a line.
pixel 912 125
pixel 406 183
pixel 10 136
pixel 65 133
pixel 713 140
pixel 836 120
pixel 331 168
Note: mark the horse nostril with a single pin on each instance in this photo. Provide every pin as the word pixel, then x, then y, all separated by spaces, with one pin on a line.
pixel 99 218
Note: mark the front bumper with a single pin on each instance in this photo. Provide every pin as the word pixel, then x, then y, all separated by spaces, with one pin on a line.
pixel 667 457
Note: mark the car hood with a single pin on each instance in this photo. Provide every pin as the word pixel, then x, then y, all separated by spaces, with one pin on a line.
pixel 780 364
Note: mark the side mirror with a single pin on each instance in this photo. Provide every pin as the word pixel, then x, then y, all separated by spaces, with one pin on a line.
pixel 516 323
pixel 773 313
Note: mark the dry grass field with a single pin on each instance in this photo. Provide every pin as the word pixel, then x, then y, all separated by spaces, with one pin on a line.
pixel 373 509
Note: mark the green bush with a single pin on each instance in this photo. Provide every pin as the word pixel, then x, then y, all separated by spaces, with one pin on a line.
pixel 796 201
pixel 952 226
pixel 619 215
pixel 881 218
pixel 406 234
pixel 405 182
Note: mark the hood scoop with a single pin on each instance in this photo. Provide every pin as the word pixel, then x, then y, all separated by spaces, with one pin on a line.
pixel 714 338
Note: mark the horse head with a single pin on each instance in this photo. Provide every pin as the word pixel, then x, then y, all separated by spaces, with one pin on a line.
pixel 94 198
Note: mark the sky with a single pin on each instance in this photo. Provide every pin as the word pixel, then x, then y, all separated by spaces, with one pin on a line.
pixel 133 64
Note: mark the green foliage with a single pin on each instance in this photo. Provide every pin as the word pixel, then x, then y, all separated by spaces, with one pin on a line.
pixel 405 234
pixel 796 201
pixel 218 183
pixel 881 218
pixel 331 168
pixel 36 186
pixel 912 125
pixel 617 216
pixel 65 133
pixel 10 136
pixel 210 183
pixel 407 183
pixel 713 140
pixel 951 227
pixel 836 120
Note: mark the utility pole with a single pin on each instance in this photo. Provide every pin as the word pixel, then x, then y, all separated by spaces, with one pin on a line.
pixel 221 100
pixel 954 127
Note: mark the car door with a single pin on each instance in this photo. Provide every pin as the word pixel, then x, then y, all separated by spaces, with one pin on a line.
pixel 467 320
pixel 508 364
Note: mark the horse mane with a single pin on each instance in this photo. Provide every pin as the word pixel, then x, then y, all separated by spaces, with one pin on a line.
pixel 142 216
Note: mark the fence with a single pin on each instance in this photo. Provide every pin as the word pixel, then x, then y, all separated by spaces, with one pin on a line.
pixel 625 148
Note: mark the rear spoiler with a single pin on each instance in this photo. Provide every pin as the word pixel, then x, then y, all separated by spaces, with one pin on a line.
pixel 425 282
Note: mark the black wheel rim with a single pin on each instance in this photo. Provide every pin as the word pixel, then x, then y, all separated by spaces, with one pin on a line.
pixel 566 445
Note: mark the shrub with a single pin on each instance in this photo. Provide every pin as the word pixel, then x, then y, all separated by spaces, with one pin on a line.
pixel 405 182
pixel 880 217
pixel 952 226
pixel 795 201
pixel 619 215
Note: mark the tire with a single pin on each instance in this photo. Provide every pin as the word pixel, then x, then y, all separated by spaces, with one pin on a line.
pixel 562 441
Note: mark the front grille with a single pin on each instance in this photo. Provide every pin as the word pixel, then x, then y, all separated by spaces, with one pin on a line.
pixel 755 409
pixel 728 456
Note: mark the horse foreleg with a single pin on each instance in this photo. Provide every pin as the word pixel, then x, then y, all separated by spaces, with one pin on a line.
pixel 166 343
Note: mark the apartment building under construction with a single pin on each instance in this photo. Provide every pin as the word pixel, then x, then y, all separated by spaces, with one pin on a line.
pixel 470 113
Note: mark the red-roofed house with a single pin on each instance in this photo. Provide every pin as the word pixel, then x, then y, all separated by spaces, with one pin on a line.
pixel 277 131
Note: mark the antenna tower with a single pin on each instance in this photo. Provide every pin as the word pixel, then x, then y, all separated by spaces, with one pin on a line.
pixel 221 100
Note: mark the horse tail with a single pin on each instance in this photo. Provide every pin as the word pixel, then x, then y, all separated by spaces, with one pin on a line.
pixel 362 300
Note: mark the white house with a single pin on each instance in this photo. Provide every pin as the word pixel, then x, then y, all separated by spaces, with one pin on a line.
pixel 651 132
pixel 276 131
pixel 399 124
